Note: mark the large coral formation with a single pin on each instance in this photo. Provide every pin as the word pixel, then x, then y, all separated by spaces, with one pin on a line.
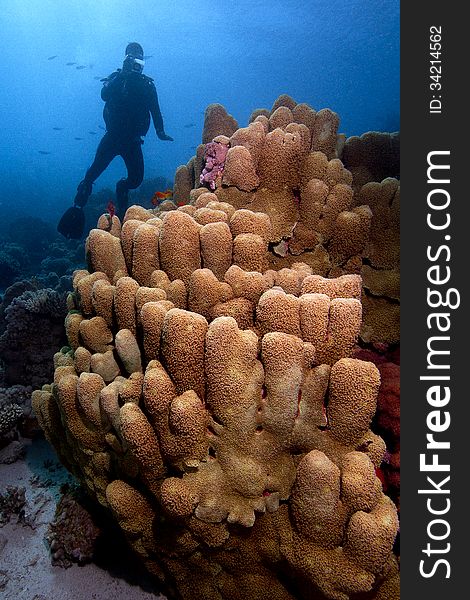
pixel 381 269
pixel 72 535
pixel 33 329
pixel 286 164
pixel 210 401
pixel 373 156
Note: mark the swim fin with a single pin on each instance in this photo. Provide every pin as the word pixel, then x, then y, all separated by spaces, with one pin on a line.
pixel 72 223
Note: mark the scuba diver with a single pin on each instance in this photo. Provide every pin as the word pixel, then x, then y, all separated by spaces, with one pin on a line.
pixel 130 99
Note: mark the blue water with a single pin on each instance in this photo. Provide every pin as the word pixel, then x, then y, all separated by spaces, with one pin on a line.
pixel 341 54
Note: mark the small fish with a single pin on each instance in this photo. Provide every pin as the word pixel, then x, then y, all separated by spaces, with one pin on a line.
pixel 80 67
pixel 78 138
pixel 44 152
pixel 92 132
pixel 52 57
pixel 101 127
pixel 188 125
pixel 57 128
pixel 97 77
pixel 69 64
pixel 111 209
pixel 147 56
pixel 181 203
pixel 159 196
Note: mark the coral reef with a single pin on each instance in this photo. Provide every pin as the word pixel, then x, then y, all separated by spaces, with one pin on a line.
pixel 373 156
pixel 30 247
pixel 387 419
pixel 12 502
pixel 381 263
pixel 33 330
pixel 72 535
pixel 10 414
pixel 211 403
pixel 286 164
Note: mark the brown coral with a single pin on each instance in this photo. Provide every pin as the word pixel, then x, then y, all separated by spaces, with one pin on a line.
pixel 233 444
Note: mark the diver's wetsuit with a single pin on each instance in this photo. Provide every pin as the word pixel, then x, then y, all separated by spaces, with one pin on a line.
pixel 130 100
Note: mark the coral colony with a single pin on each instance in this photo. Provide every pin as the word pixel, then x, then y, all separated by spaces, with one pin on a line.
pixel 208 396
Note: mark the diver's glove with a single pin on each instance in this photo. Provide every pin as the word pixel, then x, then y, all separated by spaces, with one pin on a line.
pixel 163 136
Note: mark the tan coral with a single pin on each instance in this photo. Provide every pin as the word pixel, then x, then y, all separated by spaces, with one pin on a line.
pixel 303 113
pixel 281 207
pixel 346 286
pixel 350 234
pixel 247 221
pixel 279 164
pixel 216 248
pixel 82 359
pixel 147 294
pixel 381 320
pixel 205 290
pixel 239 169
pixel 128 350
pixel 246 284
pixel 206 215
pixel 105 365
pixel 373 156
pixel 350 375
pixel 105 254
pixel 250 252
pixel 234 438
pixel 186 332
pixel 179 246
pixel 278 311
pixel 281 117
pixel 184 182
pixel 138 433
pixel 72 329
pixel 283 100
pixel 252 138
pixel 102 299
pixel 95 334
pixel 241 309
pixel 145 254
pixel 180 421
pixel 383 249
pixel 152 315
pixel 324 132
pixel 177 294
pixel 127 240
pixel 217 122
pixel 84 286
pixel 125 303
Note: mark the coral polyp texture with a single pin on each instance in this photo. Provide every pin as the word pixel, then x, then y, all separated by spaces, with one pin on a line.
pixel 286 164
pixel 211 404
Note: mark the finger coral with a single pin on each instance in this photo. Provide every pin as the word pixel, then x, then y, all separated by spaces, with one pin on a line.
pixel 291 164
pixel 233 445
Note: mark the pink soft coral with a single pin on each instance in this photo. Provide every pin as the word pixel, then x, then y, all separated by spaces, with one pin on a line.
pixel 214 156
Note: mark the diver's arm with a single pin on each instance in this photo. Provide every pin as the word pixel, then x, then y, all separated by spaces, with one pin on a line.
pixel 110 85
pixel 157 115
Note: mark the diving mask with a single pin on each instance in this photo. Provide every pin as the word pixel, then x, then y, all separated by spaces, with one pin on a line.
pixel 134 64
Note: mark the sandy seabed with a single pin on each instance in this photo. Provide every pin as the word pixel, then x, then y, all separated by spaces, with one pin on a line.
pixel 26 572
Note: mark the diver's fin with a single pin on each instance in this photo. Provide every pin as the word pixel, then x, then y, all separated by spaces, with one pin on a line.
pixel 72 223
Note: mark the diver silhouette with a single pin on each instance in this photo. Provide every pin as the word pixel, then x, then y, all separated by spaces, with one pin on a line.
pixel 130 99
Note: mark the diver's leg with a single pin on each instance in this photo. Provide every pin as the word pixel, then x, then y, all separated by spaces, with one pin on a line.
pixel 131 152
pixel 105 153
